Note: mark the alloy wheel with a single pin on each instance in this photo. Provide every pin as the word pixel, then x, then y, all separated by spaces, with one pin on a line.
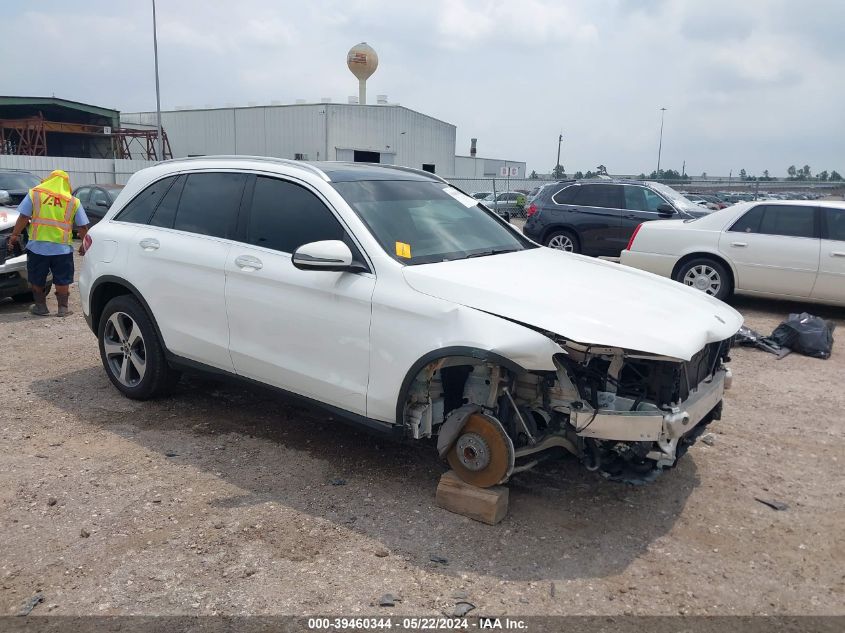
pixel 705 278
pixel 125 350
pixel 562 243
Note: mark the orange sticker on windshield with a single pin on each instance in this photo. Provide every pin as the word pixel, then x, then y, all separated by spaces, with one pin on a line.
pixel 403 250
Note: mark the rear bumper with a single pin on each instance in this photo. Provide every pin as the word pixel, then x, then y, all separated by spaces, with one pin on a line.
pixel 662 265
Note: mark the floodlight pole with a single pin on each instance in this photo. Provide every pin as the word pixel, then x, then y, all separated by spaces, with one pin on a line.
pixel 559 141
pixel 160 152
pixel 660 146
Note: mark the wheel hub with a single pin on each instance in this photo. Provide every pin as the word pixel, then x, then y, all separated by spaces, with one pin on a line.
pixel 701 282
pixel 473 452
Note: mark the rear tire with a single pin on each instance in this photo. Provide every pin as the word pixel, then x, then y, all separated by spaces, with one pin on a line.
pixel 563 240
pixel 707 275
pixel 131 351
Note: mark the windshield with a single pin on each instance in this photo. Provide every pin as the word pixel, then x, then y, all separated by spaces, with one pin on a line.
pixel 422 222
pixel 677 199
pixel 17 181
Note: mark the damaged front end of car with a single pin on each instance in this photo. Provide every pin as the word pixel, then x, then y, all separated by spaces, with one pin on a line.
pixel 625 413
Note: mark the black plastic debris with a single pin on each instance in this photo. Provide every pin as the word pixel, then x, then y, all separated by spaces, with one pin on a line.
pixel 751 338
pixel 774 505
pixel 806 334
pixel 436 558
pixel 31 603
pixel 462 608
pixel 338 482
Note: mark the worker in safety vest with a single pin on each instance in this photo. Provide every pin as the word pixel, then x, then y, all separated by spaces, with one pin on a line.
pixel 51 211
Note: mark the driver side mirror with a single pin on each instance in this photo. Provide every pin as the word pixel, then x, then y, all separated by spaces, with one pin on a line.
pixel 5 197
pixel 333 255
pixel 666 210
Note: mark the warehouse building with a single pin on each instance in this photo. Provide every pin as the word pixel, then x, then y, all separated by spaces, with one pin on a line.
pixel 384 133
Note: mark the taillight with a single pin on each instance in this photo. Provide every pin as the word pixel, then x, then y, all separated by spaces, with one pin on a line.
pixel 531 210
pixel 634 236
pixel 87 241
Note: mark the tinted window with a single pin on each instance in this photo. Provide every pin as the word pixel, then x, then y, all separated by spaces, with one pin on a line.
pixel 566 195
pixel 284 216
pixel 642 199
pixel 18 181
pixel 209 203
pixel 165 213
pixel 99 197
pixel 82 193
pixel 607 196
pixel 835 224
pixel 750 222
pixel 788 220
pixel 142 206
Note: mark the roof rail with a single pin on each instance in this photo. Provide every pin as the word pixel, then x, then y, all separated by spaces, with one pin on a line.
pixel 268 159
pixel 413 170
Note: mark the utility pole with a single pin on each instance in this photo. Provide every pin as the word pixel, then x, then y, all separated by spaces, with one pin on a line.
pixel 660 146
pixel 684 168
pixel 559 141
pixel 158 93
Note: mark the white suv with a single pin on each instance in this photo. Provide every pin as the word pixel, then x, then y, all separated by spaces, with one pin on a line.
pixel 396 301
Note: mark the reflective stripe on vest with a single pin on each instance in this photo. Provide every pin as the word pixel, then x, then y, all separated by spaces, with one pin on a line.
pixel 52 215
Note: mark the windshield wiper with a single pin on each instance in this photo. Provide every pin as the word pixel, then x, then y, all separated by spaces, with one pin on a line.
pixel 492 251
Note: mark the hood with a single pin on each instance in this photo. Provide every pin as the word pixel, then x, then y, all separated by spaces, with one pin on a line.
pixel 583 299
pixel 8 217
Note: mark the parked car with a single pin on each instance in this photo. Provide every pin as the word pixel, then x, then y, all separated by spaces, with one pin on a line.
pixel 390 298
pixel 782 249
pixel 510 202
pixel 481 195
pixel 13 277
pixel 597 217
pixel 97 200
pixel 17 184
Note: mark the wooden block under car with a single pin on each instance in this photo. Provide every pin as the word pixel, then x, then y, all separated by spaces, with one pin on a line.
pixel 488 505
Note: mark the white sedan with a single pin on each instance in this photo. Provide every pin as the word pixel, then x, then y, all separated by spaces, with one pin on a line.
pixel 787 249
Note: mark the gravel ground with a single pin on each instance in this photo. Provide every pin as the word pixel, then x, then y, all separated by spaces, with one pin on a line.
pixel 229 500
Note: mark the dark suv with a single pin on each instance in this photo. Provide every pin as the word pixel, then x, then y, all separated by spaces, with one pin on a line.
pixel 597 217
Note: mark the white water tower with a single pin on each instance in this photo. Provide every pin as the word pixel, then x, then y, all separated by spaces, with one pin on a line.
pixel 362 61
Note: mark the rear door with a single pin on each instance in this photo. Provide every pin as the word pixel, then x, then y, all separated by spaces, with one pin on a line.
pixel 641 205
pixel 830 283
pixel 306 331
pixel 774 249
pixel 595 213
pixel 179 258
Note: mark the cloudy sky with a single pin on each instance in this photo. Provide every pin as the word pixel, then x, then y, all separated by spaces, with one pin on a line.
pixel 757 84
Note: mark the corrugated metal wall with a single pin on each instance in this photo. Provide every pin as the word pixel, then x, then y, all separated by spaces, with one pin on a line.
pixel 82 171
pixel 478 167
pixel 319 131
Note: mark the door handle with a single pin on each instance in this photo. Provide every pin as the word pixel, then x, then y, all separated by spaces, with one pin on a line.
pixel 248 263
pixel 739 244
pixel 630 217
pixel 837 253
pixel 149 244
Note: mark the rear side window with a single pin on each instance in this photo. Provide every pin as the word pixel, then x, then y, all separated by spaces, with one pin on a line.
pixel 284 216
pixel 606 196
pixel 835 224
pixel 566 195
pixel 750 222
pixel 141 207
pixel 165 213
pixel 641 199
pixel 797 221
pixel 82 193
pixel 209 203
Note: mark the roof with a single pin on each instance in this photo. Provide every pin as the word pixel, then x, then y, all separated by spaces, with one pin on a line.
pixel 327 170
pixel 62 103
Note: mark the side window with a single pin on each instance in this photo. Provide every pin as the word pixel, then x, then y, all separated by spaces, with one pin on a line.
pixel 635 198
pixel 99 199
pixel 835 224
pixel 652 200
pixel 750 222
pixel 792 221
pixel 566 195
pixel 141 207
pixel 165 213
pixel 82 193
pixel 209 203
pixel 284 216
pixel 606 196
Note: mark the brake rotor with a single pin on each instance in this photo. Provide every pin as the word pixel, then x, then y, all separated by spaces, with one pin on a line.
pixel 483 453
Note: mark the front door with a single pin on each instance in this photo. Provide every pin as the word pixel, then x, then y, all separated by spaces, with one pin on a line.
pixel 641 205
pixel 304 331
pixel 830 283
pixel 774 249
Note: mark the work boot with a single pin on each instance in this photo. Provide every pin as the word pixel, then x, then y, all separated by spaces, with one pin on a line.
pixel 62 301
pixel 40 307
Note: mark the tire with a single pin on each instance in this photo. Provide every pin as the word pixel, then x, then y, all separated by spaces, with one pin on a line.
pixel 708 275
pixel 131 351
pixel 563 241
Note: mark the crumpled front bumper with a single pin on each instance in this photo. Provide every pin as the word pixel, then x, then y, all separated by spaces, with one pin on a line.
pixel 650 424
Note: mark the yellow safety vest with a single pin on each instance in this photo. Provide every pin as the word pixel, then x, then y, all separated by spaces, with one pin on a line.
pixel 53 210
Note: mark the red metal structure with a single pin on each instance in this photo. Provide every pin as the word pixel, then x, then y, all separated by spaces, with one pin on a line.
pixel 145 140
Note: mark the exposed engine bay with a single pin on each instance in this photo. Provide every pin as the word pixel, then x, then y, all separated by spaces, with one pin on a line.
pixel 624 413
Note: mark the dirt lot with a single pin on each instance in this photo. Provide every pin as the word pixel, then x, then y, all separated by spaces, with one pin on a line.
pixel 223 499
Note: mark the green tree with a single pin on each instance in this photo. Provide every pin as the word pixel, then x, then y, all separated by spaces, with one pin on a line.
pixel 590 174
pixel 601 170
pixel 765 174
pixel 578 175
pixel 834 175
pixel 558 171
pixel 704 174
pixel 743 174
pixel 805 171
pixel 822 175
pixel 641 176
pixel 791 171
